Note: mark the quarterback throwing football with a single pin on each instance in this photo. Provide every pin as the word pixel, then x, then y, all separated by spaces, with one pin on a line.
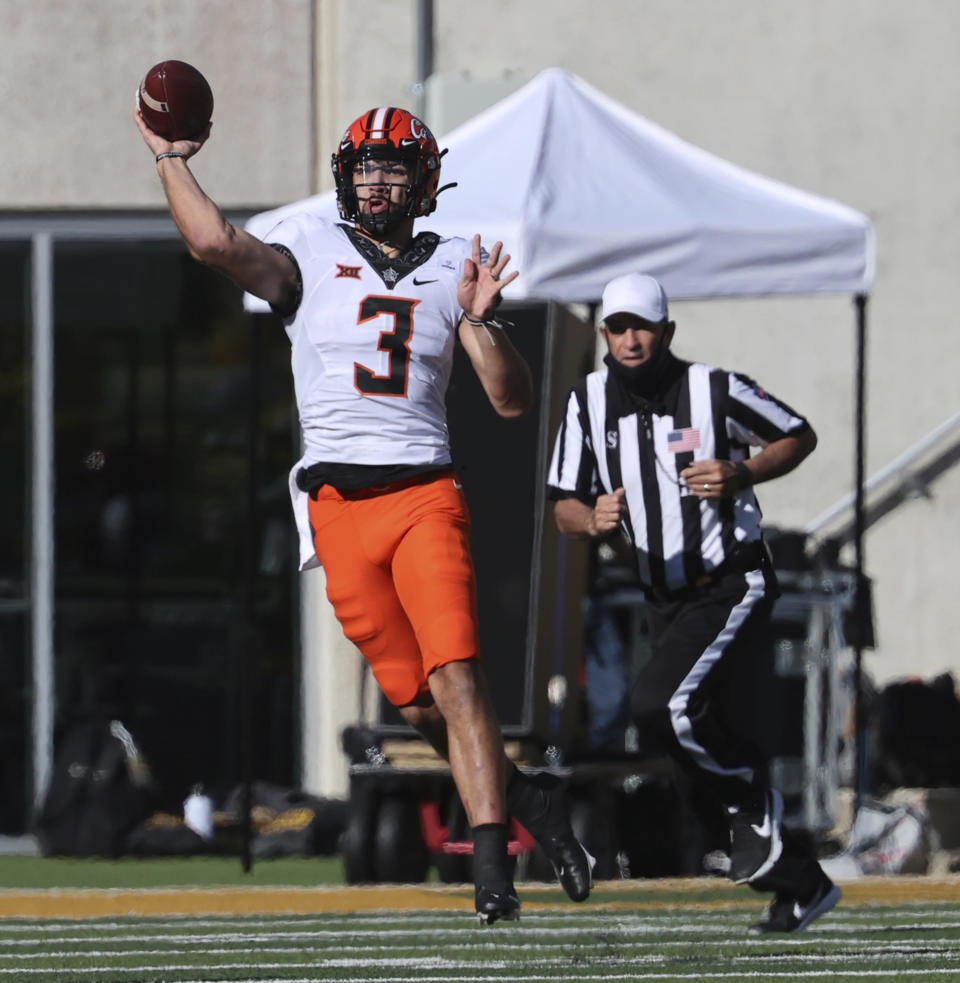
pixel 373 313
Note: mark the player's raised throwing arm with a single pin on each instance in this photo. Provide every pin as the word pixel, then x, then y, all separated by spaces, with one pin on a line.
pixel 503 373
pixel 251 264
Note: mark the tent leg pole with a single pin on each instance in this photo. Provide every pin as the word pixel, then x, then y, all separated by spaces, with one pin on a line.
pixel 861 606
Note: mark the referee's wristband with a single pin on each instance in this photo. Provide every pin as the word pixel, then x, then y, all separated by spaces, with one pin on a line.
pixel 744 475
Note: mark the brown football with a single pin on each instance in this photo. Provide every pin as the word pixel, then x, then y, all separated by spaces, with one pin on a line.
pixel 175 100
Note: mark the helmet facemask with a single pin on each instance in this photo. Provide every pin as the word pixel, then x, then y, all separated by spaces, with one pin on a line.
pixel 387 135
pixel 386 182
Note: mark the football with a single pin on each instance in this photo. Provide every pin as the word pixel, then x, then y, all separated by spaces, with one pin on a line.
pixel 175 100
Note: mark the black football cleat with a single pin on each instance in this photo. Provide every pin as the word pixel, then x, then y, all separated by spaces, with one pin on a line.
pixel 789 915
pixel 537 802
pixel 572 864
pixel 497 906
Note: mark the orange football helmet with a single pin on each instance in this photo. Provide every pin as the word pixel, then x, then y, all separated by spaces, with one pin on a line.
pixel 387 133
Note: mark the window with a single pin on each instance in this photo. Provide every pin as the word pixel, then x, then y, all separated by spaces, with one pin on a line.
pixel 164 550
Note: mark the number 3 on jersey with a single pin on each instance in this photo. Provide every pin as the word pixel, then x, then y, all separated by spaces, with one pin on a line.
pixel 396 343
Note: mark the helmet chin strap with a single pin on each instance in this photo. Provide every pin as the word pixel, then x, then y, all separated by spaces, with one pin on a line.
pixel 376 225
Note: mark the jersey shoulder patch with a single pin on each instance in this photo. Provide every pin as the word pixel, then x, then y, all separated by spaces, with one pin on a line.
pixel 451 252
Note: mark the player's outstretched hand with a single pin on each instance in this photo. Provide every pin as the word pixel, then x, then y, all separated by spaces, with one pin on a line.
pixel 479 289
pixel 160 145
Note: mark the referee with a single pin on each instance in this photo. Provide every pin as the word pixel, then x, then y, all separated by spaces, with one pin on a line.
pixel 660 448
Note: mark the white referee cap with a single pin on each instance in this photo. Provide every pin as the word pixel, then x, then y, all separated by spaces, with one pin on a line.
pixel 634 293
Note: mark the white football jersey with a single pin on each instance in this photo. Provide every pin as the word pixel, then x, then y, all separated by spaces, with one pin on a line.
pixel 371 353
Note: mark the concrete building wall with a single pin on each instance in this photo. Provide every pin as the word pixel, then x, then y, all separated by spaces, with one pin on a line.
pixel 68 81
pixel 853 101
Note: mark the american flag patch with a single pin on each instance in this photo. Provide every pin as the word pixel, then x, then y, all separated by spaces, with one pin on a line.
pixel 680 441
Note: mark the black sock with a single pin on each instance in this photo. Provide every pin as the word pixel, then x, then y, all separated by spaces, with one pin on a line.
pixel 491 865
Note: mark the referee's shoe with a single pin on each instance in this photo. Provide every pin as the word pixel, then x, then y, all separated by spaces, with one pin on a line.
pixel 536 801
pixel 756 840
pixel 789 915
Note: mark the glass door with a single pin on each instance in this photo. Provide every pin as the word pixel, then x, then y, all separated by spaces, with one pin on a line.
pixel 156 558
pixel 154 438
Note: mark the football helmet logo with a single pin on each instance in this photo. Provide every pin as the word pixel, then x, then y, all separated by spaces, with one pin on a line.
pixel 387 133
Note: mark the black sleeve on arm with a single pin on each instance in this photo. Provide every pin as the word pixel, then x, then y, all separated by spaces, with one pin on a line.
pixel 289 309
pixel 559 494
pixel 762 413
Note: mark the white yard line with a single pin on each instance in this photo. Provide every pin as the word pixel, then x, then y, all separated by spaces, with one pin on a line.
pixel 818 939
pixel 460 965
pixel 501 977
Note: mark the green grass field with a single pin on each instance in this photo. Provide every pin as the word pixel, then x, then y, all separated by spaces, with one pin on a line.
pixel 200 871
pixel 898 929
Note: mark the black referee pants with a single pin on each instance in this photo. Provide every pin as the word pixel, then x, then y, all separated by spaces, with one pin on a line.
pixel 685 700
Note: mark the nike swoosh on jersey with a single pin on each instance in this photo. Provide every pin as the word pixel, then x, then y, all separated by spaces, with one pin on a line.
pixel 420 283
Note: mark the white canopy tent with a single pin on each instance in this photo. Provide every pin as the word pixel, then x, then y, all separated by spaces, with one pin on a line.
pixel 581 189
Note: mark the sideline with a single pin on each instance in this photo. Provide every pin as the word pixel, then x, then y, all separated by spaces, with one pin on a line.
pixel 112 902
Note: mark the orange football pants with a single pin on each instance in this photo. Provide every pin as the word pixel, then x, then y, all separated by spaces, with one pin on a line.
pixel 400 576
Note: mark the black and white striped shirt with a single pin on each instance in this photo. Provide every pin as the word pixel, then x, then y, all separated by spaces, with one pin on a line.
pixel 610 438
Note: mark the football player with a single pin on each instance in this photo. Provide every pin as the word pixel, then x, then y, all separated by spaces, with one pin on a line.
pixel 373 313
